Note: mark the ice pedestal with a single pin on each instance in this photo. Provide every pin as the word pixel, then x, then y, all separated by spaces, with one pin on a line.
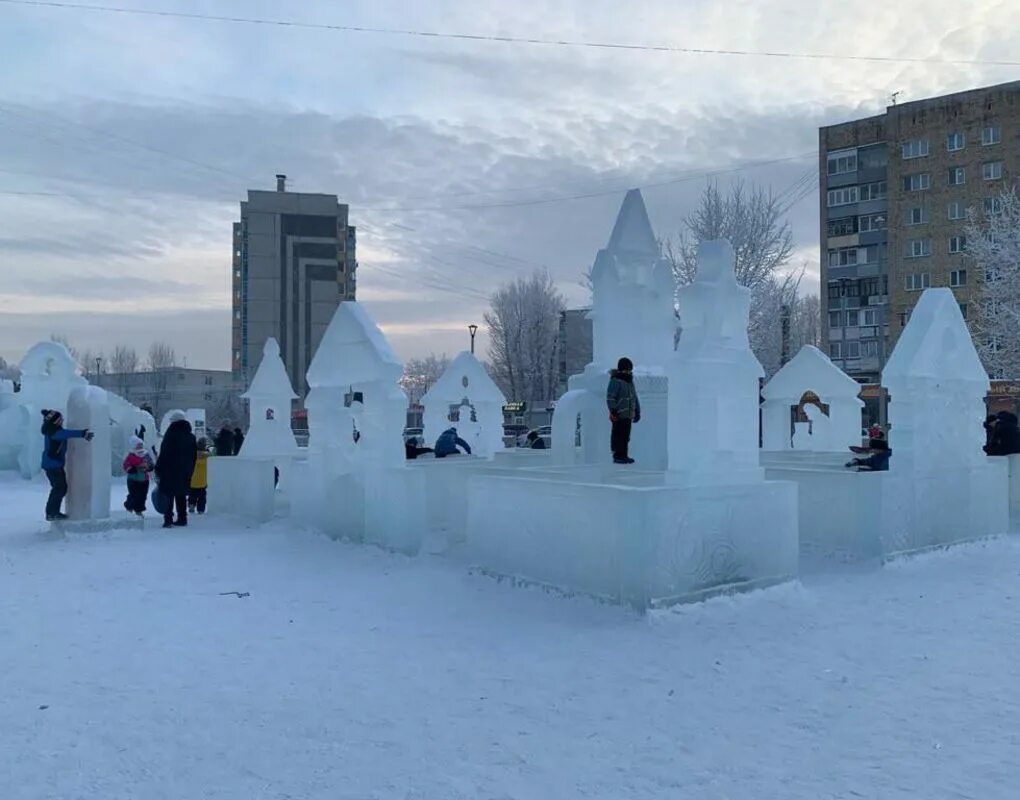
pixel 242 487
pixel 88 463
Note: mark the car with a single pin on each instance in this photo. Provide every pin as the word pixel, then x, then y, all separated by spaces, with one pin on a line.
pixel 544 431
pixel 511 433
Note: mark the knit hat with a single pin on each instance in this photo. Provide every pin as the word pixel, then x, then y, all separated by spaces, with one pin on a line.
pixel 625 365
pixel 136 443
pixel 52 415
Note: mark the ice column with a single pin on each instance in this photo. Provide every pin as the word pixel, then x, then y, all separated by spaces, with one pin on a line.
pixel 88 463
pixel 269 405
pixel 714 378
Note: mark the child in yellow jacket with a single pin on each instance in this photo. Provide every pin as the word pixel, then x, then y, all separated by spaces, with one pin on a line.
pixel 199 479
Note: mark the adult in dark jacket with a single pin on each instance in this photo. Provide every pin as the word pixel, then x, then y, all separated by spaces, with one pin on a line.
pixel 174 467
pixel 238 441
pixel 448 442
pixel 54 458
pixel 535 442
pixel 1005 436
pixel 989 426
pixel 224 441
pixel 624 409
pixel 412 449
pixel 877 460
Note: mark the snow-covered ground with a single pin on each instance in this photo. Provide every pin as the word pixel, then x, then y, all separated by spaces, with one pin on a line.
pixel 352 673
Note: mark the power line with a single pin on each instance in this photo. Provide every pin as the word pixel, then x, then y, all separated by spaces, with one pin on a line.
pixel 527 40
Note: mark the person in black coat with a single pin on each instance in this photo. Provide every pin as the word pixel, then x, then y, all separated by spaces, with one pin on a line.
pixel 224 441
pixel 174 467
pixel 1005 438
pixel 238 441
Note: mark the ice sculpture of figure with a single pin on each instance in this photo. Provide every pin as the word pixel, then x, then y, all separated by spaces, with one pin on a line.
pixel 466 384
pixel 714 377
pixel 632 315
pixel 88 463
pixel 811 372
pixel 941 487
pixel 269 408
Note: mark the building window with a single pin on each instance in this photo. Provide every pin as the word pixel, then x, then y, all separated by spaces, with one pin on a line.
pixel 917 182
pixel 853 349
pixel 917 216
pixel 956 210
pixel 842 197
pixel 991 170
pixel 963 310
pixel 958 277
pixel 834 292
pixel 853 318
pixel 872 222
pixel 991 134
pixel 918 248
pixel 835 349
pixel 208 380
pixel 845 256
pixel 915 148
pixel 957 244
pixel 835 319
pixel 870 317
pixel 869 348
pixel 993 206
pixel 905 317
pixel 842 162
pixel 957 176
pixel 916 281
pixel 955 141
pixel 844 226
pixel 878 190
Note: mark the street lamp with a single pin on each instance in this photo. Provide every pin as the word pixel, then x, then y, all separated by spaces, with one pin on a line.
pixel 472 329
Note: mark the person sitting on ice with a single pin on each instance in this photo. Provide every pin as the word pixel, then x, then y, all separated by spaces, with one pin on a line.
pixel 448 442
pixel 413 449
pixel 624 409
pixel 54 458
pixel 877 460
pixel 138 466
pixel 1005 438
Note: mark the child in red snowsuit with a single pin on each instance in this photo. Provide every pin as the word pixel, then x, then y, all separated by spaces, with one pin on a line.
pixel 138 466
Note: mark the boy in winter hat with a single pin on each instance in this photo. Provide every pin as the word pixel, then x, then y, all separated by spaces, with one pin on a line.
pixel 624 409
pixel 55 438
pixel 138 466
pixel 199 479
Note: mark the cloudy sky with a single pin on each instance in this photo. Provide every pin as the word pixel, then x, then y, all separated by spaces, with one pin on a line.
pixel 127 141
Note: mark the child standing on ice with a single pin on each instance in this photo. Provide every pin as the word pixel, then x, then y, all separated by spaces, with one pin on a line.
pixel 138 466
pixel 624 409
pixel 199 479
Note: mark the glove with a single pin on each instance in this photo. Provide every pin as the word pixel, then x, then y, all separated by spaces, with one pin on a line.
pixel 613 417
pixel 637 418
pixel 89 436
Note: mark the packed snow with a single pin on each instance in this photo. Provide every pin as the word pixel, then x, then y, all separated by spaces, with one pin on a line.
pixel 336 671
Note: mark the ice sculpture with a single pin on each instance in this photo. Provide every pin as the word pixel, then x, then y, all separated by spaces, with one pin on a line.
pixel 88 463
pixel 269 408
pixel 632 315
pixel 714 377
pixel 807 376
pixel 466 387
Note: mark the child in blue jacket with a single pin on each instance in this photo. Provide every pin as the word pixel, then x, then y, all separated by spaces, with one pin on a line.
pixel 54 458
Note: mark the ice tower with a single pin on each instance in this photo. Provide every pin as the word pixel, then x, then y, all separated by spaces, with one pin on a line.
pixel 466 387
pixel 632 315
pixel 269 402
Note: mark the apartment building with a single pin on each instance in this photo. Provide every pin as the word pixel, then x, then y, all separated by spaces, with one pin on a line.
pixel 896 190
pixel 294 262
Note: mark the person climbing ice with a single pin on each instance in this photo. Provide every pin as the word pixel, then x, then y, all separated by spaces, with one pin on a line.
pixel 54 459
pixel 624 409
pixel 448 442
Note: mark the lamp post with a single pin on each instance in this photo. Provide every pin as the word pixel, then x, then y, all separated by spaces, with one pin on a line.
pixel 99 361
pixel 472 329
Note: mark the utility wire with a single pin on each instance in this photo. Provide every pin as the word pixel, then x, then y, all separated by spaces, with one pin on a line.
pixel 527 40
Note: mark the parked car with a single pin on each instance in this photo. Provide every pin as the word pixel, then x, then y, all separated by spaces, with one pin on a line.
pixel 417 433
pixel 511 433
pixel 545 432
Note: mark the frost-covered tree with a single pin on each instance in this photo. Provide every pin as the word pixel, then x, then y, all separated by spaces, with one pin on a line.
pixel 524 325
pixel 752 220
pixel 9 372
pixel 993 245
pixel 60 338
pixel 123 362
pixel 420 374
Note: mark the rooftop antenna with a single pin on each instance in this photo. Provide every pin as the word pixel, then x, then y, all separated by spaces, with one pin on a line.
pixel 894 96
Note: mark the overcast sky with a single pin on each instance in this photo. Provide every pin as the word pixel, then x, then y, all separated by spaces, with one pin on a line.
pixel 126 142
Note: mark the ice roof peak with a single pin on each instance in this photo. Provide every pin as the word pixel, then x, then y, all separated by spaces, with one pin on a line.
pixel 632 235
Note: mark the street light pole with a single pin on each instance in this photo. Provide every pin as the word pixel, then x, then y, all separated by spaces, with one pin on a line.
pixel 472 329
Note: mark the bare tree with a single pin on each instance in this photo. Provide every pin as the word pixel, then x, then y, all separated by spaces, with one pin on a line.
pixel 420 374
pixel 123 363
pixel 752 221
pixel 60 338
pixel 993 245
pixel 162 359
pixel 805 323
pixel 523 328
